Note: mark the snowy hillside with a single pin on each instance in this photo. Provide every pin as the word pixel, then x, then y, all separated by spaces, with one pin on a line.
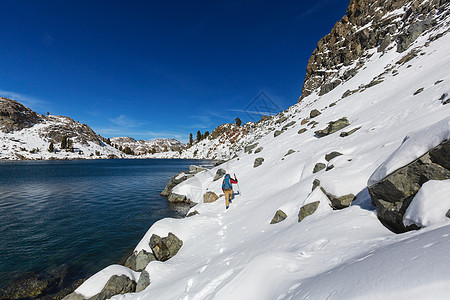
pixel 395 97
pixel 142 147
pixel 27 135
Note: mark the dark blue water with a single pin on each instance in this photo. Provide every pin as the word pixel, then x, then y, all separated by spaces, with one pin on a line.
pixel 82 214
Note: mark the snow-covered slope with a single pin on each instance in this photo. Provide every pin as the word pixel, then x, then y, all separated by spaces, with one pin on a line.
pixel 142 147
pixel 27 135
pixel 332 254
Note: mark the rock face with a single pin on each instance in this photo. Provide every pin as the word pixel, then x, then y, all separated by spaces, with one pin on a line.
pixel 332 127
pixel 116 285
pixel 393 194
pixel 278 217
pixel 374 24
pixel 307 210
pixel 14 116
pixel 165 248
pixel 210 197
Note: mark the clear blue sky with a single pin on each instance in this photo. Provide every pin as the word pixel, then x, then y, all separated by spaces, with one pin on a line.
pixel 150 69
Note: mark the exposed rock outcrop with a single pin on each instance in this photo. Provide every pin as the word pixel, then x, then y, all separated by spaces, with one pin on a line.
pixel 176 179
pixel 393 194
pixel 332 127
pixel 14 116
pixel 307 210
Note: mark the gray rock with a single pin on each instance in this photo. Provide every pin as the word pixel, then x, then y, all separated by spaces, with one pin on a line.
pixel 316 183
pixel 332 155
pixel 278 217
pixel 219 174
pixel 285 127
pixel 210 197
pixel 143 258
pixel 177 198
pixel 165 248
pixel 143 281
pixel 259 150
pixel 192 214
pixel 277 133
pixel 195 169
pixel 344 134
pixel 73 296
pixel 116 285
pixel 318 167
pixel 314 113
pixel 302 130
pixel 393 194
pixel 328 87
pixel 281 120
pixel 339 202
pixel 448 214
pixel 249 149
pixel 176 179
pixel 418 91
pixel 290 152
pixel 385 43
pixel 333 127
pixel 258 162
pixel 307 210
pixel 131 261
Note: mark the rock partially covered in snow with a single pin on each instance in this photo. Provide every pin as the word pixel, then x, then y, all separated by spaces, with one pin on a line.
pixel 176 179
pixel 430 205
pixel 393 194
pixel 116 285
pixel 210 197
pixel 278 217
pixel 333 127
pixel 165 248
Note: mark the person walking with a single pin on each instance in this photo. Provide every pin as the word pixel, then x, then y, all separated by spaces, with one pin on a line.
pixel 227 188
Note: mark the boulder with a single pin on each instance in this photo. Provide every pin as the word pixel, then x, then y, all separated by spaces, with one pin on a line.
pixel 316 183
pixel 302 130
pixel 277 133
pixel 165 248
pixel 448 214
pixel 393 194
pixel 192 214
pixel 248 149
pixel 73 296
pixel 195 169
pixel 116 285
pixel 347 133
pixel 332 127
pixel 314 113
pixel 259 150
pixel 318 167
pixel 219 174
pixel 307 210
pixel 285 127
pixel 143 258
pixel 177 198
pixel 339 202
pixel 290 151
pixel 176 179
pixel 258 162
pixel 332 155
pixel 143 281
pixel 210 197
pixel 278 217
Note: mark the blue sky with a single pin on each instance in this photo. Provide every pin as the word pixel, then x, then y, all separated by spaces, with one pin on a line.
pixel 150 69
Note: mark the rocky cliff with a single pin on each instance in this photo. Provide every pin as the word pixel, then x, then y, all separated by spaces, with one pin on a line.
pixel 369 26
pixel 14 116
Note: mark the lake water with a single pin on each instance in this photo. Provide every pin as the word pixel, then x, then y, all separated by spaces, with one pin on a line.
pixel 83 215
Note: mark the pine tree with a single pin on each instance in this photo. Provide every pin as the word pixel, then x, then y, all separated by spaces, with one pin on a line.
pixel 51 147
pixel 206 134
pixel 199 136
pixel 64 142
pixel 238 122
pixel 191 140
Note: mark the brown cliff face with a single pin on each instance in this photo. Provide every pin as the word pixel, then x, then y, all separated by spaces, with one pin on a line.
pixel 368 24
pixel 14 116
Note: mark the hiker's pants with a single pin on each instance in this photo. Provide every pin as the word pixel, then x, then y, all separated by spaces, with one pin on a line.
pixel 228 196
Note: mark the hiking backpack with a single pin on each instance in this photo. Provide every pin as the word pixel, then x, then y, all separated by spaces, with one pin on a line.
pixel 226 184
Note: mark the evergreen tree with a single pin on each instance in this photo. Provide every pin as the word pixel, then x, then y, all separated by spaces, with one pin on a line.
pixel 64 142
pixel 206 134
pixel 238 122
pixel 199 136
pixel 191 140
pixel 51 147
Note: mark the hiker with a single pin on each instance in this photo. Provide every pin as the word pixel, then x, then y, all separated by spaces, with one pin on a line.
pixel 227 188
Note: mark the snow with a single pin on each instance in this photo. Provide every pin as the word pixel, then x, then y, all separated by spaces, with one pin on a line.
pixel 332 254
pixel 429 205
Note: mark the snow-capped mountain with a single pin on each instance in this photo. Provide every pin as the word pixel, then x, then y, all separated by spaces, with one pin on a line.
pixel 24 134
pixel 141 147
pixel 375 98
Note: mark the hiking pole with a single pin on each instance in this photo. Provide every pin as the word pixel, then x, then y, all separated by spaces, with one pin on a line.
pixel 240 193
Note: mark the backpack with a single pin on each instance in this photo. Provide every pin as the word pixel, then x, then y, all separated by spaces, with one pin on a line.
pixel 226 184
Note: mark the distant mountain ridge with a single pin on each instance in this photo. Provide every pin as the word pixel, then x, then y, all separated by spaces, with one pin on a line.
pixel 141 147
